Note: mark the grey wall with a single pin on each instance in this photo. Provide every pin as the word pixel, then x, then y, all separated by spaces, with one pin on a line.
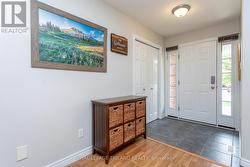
pixel 44 108
pixel 226 28
pixel 245 105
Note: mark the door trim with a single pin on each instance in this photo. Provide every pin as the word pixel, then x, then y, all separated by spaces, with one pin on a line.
pixel 160 100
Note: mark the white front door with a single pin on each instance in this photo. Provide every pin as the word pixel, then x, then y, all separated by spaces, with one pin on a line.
pixel 146 77
pixel 198 82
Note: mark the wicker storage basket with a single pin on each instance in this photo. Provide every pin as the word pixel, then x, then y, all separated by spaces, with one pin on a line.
pixel 115 115
pixel 140 109
pixel 140 126
pixel 115 138
pixel 129 112
pixel 129 131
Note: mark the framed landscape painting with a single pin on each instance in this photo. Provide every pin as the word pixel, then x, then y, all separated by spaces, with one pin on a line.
pixel 60 40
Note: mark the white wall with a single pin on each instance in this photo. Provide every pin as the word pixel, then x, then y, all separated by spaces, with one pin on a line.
pixel 245 105
pixel 45 108
pixel 209 32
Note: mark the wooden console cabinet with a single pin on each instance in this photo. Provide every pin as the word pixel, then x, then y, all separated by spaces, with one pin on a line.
pixel 117 122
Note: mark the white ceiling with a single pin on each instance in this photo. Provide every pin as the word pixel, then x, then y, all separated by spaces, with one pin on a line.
pixel 157 15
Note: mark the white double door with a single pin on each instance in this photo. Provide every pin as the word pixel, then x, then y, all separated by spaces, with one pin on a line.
pixel 197 82
pixel 146 77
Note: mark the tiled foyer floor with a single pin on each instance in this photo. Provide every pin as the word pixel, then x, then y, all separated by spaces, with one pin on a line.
pixel 204 140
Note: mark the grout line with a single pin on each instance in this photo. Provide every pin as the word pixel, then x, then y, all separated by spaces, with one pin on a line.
pixel 231 163
pixel 232 154
pixel 202 149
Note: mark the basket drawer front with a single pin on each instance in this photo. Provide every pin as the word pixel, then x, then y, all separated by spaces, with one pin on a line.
pixel 129 112
pixel 129 131
pixel 115 115
pixel 140 126
pixel 115 138
pixel 140 109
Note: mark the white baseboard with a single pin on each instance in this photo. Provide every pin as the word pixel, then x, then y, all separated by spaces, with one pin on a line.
pixel 162 115
pixel 244 162
pixel 71 158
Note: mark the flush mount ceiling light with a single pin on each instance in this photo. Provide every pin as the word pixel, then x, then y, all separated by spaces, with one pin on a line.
pixel 181 10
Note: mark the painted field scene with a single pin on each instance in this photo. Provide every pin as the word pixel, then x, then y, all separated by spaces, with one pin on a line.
pixel 62 40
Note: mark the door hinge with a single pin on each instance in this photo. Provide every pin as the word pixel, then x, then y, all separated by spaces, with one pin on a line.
pixel 179 56
pixel 179 82
pixel 178 108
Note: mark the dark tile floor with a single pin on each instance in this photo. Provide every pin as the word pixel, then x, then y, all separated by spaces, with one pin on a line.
pixel 211 142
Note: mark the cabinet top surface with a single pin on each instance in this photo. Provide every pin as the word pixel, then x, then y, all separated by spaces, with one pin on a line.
pixel 118 99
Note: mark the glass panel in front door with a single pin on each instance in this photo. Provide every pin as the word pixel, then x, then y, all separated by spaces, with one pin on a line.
pixel 226 80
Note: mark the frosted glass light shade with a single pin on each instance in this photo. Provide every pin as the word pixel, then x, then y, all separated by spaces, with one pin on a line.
pixel 181 10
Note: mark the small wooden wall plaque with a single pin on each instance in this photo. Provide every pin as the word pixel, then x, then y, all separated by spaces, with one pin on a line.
pixel 119 44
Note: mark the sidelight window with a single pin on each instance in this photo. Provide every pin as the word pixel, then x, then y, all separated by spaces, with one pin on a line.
pixel 226 80
pixel 172 81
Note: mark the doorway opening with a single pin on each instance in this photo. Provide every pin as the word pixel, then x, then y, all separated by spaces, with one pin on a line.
pixel 202 94
pixel 201 82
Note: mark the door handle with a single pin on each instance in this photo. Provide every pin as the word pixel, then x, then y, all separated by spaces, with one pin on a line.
pixel 143 89
pixel 213 82
pixel 151 88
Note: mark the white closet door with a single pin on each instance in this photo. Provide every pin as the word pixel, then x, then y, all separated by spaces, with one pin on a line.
pixel 152 83
pixel 197 82
pixel 140 67
pixel 146 77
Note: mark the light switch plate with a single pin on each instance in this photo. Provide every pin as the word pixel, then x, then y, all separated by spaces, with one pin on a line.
pixel 21 153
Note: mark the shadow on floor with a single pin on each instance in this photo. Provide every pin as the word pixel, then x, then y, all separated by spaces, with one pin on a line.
pixel 211 142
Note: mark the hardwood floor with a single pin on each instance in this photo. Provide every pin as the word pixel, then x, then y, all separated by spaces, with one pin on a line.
pixel 149 153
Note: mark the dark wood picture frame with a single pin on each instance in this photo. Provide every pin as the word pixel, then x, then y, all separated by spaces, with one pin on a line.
pixel 35 59
pixel 121 41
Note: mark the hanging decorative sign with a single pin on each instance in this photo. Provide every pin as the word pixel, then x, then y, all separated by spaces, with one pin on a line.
pixel 119 44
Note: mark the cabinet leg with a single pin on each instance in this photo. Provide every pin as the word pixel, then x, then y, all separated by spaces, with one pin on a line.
pixel 107 157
